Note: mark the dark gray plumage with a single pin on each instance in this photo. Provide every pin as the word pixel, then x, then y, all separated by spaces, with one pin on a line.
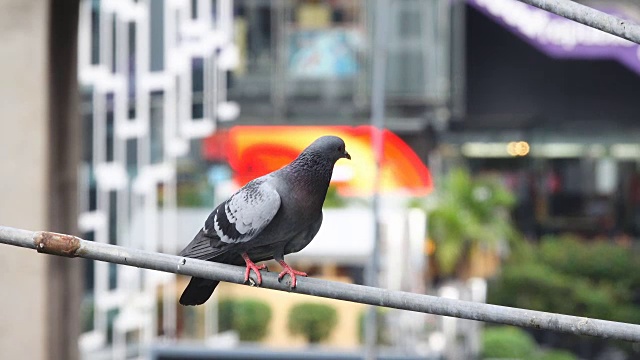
pixel 271 216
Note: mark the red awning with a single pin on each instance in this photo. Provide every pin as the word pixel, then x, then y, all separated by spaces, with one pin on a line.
pixel 252 151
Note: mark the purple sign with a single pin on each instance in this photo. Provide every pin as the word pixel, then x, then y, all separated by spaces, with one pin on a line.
pixel 559 37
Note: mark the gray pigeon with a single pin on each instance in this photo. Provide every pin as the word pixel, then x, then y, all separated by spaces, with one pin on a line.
pixel 271 216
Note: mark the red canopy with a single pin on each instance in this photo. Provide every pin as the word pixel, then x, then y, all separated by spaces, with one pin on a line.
pixel 252 151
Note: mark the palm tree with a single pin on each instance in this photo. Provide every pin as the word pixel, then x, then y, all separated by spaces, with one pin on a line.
pixel 469 214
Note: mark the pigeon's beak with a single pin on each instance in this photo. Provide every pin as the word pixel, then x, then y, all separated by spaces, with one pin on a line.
pixel 346 155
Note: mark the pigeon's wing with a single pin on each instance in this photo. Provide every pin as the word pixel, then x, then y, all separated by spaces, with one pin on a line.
pixel 237 220
pixel 202 247
pixel 246 213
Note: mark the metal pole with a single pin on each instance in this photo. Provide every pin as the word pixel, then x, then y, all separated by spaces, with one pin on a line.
pixel 590 17
pixel 458 69
pixel 70 246
pixel 377 121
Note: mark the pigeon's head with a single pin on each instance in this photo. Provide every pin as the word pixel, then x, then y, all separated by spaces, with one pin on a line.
pixel 331 148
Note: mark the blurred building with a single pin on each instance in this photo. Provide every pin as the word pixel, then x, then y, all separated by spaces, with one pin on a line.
pixel 157 77
pixel 309 62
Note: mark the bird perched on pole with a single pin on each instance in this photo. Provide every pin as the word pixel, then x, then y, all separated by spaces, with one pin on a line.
pixel 271 216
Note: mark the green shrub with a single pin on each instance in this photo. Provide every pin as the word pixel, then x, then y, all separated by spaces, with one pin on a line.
pixel 568 276
pixel 250 318
pixel 556 355
pixel 601 261
pixel 225 314
pixel 313 321
pixel 507 342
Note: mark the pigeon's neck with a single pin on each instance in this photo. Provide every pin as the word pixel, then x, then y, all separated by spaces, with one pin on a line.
pixel 309 169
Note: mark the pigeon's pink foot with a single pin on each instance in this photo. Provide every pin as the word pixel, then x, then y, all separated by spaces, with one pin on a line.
pixel 288 270
pixel 252 266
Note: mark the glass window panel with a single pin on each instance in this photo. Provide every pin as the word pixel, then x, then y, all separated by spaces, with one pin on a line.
pixel 156 34
pixel 156 126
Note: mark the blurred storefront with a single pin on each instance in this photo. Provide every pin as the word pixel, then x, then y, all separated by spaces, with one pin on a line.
pixel 551 108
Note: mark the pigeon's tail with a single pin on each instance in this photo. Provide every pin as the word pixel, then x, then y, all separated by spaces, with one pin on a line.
pixel 198 291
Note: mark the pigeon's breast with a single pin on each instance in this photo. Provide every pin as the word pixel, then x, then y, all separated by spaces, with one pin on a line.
pixel 303 203
pixel 298 210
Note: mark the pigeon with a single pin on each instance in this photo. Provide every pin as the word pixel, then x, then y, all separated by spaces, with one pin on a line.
pixel 271 216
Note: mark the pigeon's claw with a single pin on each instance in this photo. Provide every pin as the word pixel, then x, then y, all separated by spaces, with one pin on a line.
pixel 288 270
pixel 252 266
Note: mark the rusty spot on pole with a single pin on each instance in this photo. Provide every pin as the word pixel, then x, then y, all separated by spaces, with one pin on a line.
pixel 56 244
